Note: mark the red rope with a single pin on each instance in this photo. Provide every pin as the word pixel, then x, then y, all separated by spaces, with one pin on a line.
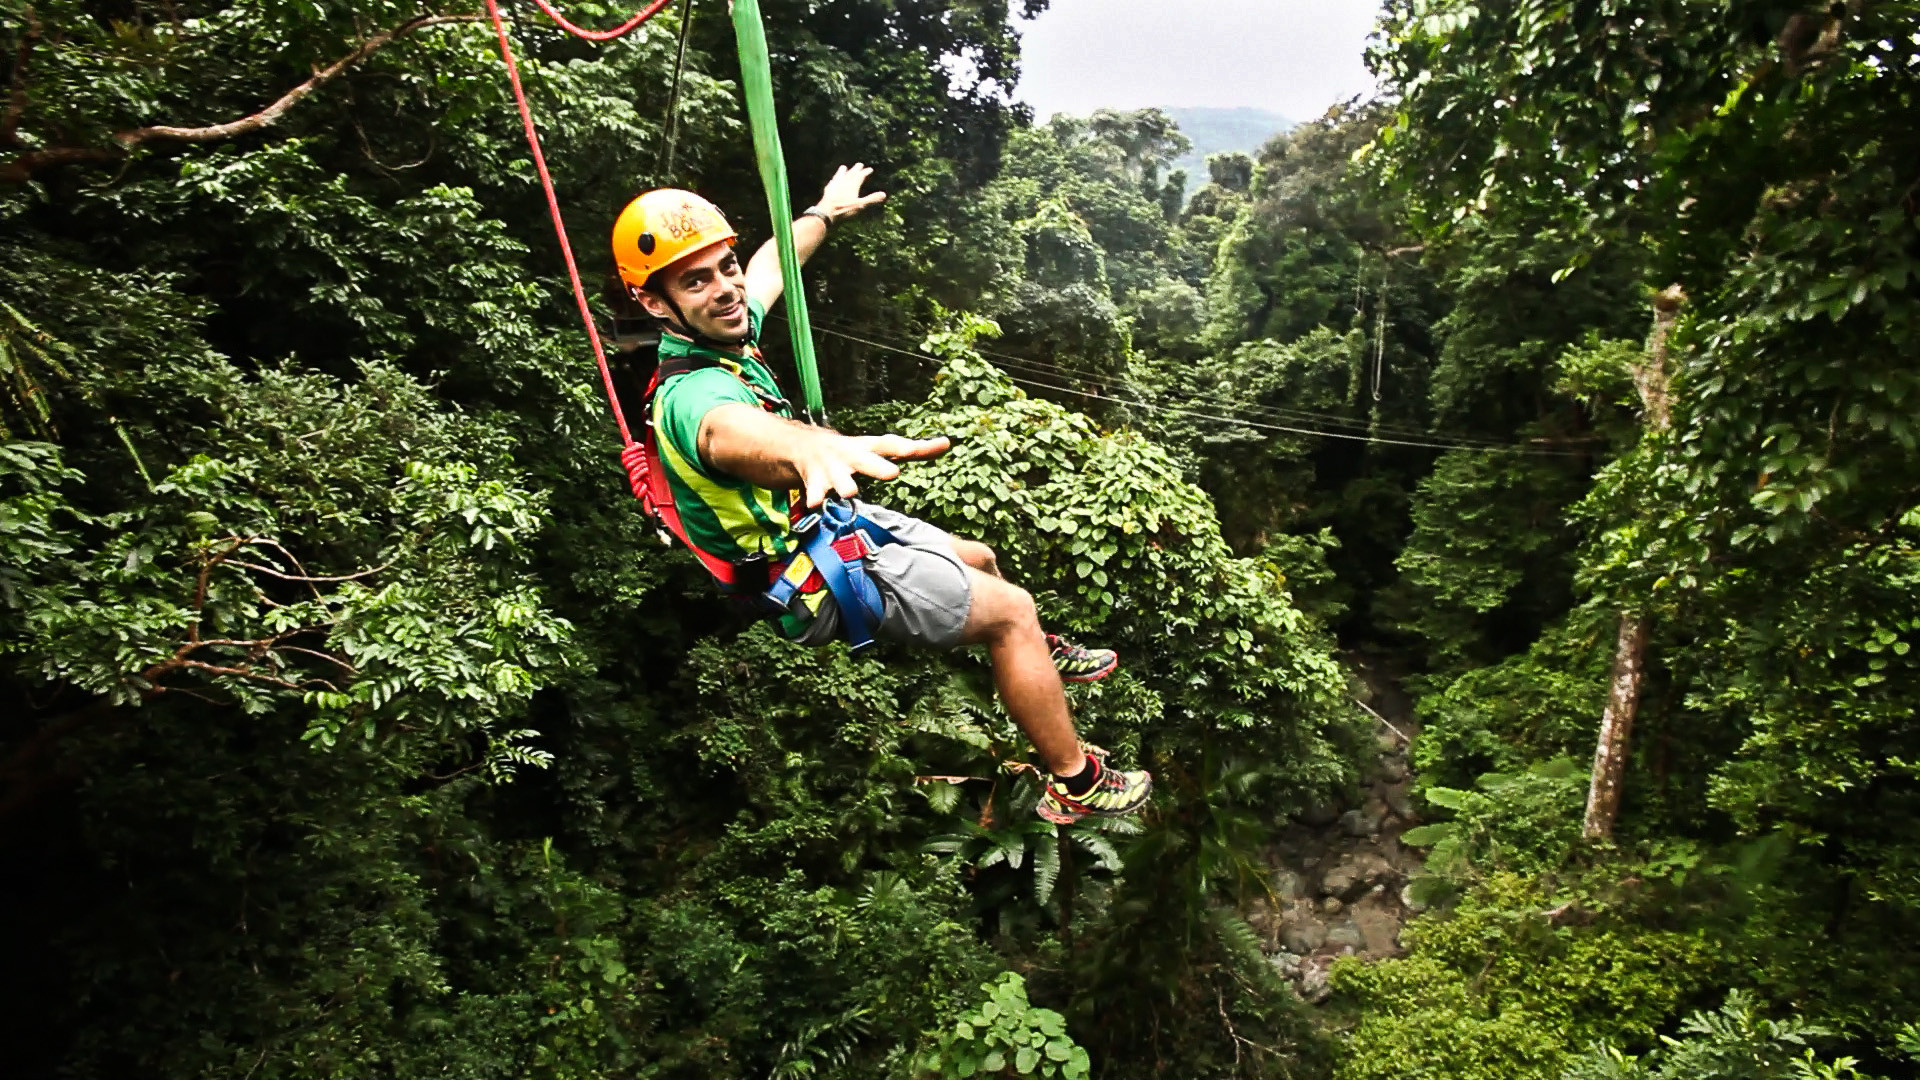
pixel 553 200
pixel 620 31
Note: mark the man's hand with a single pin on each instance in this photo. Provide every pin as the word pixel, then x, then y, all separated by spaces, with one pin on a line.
pixel 841 199
pixel 751 444
pixel 832 461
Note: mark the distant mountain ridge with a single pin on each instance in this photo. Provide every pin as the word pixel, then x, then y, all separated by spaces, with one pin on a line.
pixel 1216 130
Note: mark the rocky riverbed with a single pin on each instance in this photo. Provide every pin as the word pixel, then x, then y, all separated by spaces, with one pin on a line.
pixel 1339 874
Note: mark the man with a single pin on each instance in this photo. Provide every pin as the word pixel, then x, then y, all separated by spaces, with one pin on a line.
pixel 732 454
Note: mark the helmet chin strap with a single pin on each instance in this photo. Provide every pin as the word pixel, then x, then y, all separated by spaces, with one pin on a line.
pixel 684 326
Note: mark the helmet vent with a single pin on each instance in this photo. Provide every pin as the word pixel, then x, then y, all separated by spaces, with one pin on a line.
pixel 646 243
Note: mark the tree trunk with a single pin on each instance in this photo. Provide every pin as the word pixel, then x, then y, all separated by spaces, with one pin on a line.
pixel 1651 378
pixel 1616 726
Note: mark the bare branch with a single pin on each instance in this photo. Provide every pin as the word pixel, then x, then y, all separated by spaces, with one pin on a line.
pixel 307 578
pixel 22 167
pixel 291 557
pixel 1404 737
pixel 271 115
pixel 328 657
pixel 207 564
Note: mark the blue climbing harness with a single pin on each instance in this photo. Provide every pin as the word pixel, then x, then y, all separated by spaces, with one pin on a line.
pixel 836 543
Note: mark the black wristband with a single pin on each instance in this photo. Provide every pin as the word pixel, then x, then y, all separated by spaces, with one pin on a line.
pixel 815 212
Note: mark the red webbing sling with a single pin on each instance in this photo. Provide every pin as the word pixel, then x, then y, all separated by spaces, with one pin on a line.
pixel 641 460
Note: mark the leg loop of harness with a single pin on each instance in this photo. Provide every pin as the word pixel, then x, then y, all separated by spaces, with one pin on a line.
pixel 836 544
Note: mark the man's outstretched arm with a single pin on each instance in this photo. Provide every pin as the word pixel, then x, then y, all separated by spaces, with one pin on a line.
pixel 840 200
pixel 749 443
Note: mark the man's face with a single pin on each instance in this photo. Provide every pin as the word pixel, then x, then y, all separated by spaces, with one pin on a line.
pixel 710 286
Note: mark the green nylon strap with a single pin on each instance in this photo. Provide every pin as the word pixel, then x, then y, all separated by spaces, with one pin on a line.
pixel 758 78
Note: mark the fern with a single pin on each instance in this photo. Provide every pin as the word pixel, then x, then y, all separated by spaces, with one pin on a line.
pixel 1046 871
pixel 1235 936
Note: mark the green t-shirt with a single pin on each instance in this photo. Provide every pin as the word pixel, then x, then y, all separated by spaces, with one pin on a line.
pixel 723 515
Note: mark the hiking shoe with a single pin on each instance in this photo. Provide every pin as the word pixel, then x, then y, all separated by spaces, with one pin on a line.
pixel 1114 792
pixel 1079 664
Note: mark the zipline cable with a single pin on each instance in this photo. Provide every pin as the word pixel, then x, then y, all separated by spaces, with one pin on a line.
pixel 1019 364
pixel 1503 448
pixel 617 32
pixel 1289 429
pixel 673 91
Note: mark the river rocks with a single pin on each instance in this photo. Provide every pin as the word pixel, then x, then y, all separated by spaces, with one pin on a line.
pixel 1357 823
pixel 1351 878
pixel 1288 884
pixel 1319 815
pixel 1313 981
pixel 1303 936
pixel 1336 872
pixel 1408 901
pixel 1377 923
pixel 1399 801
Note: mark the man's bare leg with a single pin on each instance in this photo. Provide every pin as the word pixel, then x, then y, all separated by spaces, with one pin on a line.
pixel 977 555
pixel 1004 619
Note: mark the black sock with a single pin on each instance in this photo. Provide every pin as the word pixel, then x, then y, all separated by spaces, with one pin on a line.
pixel 1081 782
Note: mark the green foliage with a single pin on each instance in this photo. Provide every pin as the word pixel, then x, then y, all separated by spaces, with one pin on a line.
pixel 1111 536
pixel 1532 707
pixel 1526 822
pixel 1487 563
pixel 1006 1036
pixel 1732 1043
pixel 1496 989
pixel 309 539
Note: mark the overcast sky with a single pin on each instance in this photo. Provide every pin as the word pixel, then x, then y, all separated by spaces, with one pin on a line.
pixel 1295 57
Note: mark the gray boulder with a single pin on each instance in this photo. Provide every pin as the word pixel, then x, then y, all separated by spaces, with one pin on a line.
pixel 1353 877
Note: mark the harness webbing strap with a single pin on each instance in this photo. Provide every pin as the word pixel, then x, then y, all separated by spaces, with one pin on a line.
pixel 838 543
pixel 620 31
pixel 648 476
pixel 756 78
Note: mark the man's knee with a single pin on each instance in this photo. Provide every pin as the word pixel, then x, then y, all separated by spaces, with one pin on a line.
pixel 1000 607
pixel 977 555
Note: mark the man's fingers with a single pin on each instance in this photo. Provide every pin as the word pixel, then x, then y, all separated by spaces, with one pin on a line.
pixel 872 198
pixel 901 448
pixel 876 466
pixel 816 482
pixel 843 482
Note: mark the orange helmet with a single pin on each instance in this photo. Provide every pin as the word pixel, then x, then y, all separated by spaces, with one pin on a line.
pixel 662 225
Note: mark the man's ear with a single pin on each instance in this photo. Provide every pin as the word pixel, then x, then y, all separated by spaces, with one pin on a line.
pixel 651 301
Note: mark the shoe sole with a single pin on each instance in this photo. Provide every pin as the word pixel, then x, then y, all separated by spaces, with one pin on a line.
pixel 1112 666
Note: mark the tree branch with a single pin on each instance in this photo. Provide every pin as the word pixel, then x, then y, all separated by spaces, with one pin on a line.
pixel 271 115
pixel 22 167
pixel 302 577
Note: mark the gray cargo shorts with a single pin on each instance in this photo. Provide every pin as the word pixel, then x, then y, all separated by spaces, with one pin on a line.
pixel 927 589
